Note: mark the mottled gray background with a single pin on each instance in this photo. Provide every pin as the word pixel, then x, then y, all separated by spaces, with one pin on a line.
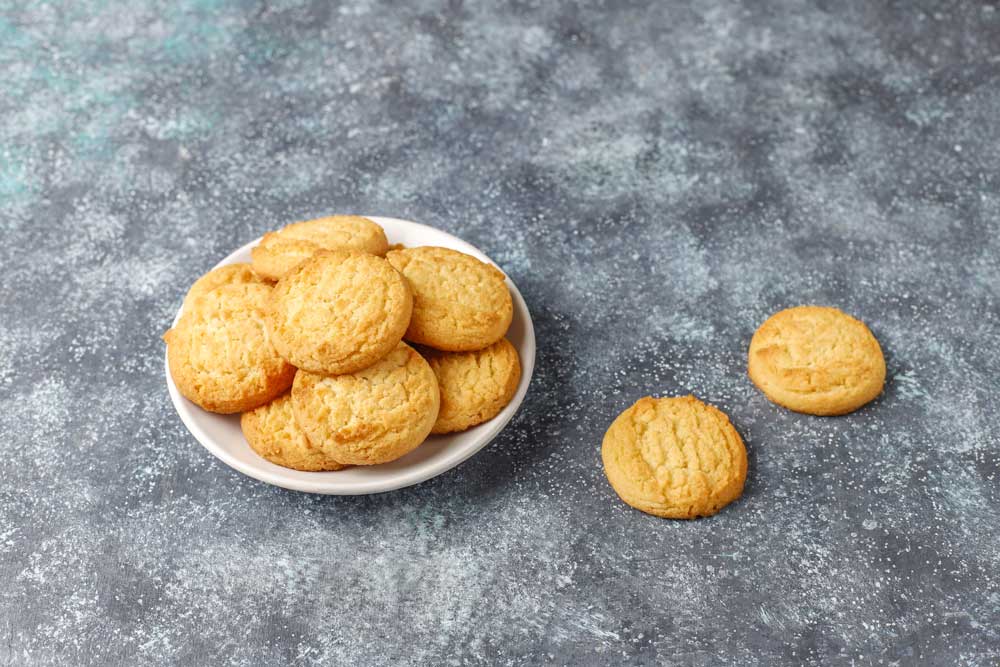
pixel 657 178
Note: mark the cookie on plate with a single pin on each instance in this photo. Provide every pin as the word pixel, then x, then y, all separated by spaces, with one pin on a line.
pixel 230 274
pixel 459 302
pixel 372 416
pixel 281 251
pixel 816 360
pixel 219 353
pixel 475 386
pixel 272 432
pixel 339 312
pixel 676 458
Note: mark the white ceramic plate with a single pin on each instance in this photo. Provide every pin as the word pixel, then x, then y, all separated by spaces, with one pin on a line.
pixel 221 434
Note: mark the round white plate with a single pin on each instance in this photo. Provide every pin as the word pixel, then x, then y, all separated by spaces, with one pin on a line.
pixel 221 434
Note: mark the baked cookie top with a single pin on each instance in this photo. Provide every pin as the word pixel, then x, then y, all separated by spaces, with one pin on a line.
pixel 371 416
pixel 230 274
pixel 459 302
pixel 816 360
pixel 272 432
pixel 475 386
pixel 281 251
pixel 339 312
pixel 219 353
pixel 676 458
pixel 275 257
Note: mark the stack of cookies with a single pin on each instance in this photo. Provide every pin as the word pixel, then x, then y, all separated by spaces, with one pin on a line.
pixel 308 343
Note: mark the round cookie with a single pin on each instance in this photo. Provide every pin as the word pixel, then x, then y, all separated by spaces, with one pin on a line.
pixel 230 274
pixel 219 353
pixel 475 386
pixel 272 432
pixel 280 252
pixel 459 303
pixel 274 257
pixel 676 458
pixel 816 360
pixel 339 312
pixel 375 415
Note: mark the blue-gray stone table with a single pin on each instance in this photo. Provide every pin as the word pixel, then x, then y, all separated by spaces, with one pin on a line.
pixel 657 178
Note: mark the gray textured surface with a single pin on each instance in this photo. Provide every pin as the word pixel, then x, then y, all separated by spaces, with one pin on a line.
pixel 657 180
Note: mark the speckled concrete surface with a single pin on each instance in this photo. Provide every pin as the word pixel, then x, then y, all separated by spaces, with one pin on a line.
pixel 657 178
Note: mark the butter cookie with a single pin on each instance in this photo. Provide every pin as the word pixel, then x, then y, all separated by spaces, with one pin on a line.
pixel 459 302
pixel 220 355
pixel 676 458
pixel 371 416
pixel 281 251
pixel 475 386
pixel 339 312
pixel 816 360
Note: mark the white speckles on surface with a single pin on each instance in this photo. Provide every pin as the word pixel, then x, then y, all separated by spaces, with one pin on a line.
pixel 657 179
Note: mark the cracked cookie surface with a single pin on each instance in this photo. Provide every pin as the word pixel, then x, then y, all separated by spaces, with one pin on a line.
pixel 475 386
pixel 272 432
pixel 220 353
pixel 339 312
pixel 230 274
pixel 281 251
pixel 459 302
pixel 816 360
pixel 372 416
pixel 676 458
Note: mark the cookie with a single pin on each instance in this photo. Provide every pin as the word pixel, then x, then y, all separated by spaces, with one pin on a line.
pixel 219 353
pixel 272 432
pixel 816 360
pixel 339 312
pixel 280 252
pixel 375 415
pixel 475 386
pixel 274 257
pixel 676 458
pixel 230 274
pixel 459 303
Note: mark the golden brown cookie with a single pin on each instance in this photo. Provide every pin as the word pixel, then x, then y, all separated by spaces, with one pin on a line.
pixel 220 355
pixel 375 415
pixel 281 251
pixel 275 257
pixel 459 303
pixel 475 386
pixel 816 360
pixel 272 432
pixel 676 458
pixel 230 274
pixel 339 312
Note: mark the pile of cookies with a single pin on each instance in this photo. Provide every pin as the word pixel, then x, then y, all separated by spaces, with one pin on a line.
pixel 680 458
pixel 307 342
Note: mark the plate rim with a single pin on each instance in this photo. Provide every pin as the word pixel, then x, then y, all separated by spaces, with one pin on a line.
pixel 281 476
